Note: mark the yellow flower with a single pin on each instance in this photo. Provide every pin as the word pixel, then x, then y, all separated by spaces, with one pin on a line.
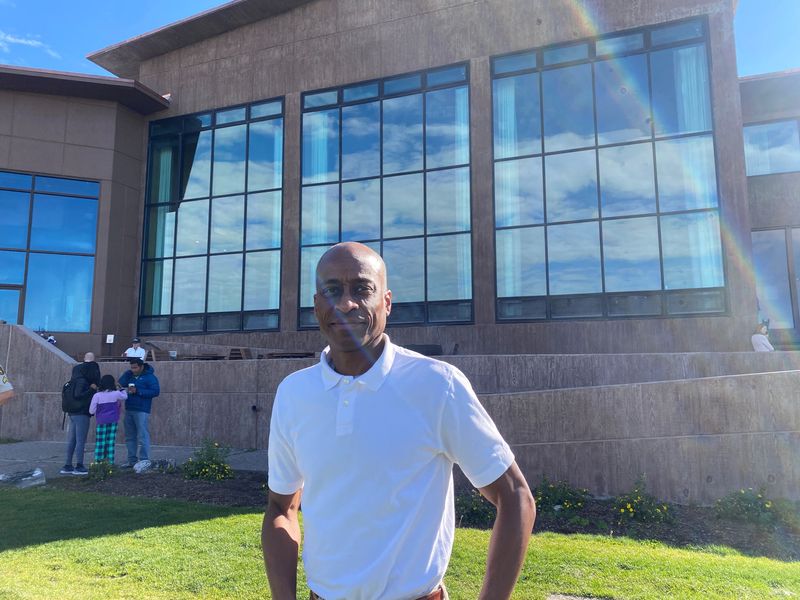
pixel 622 510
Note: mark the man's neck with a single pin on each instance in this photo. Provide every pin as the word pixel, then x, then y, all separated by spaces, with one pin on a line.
pixel 357 362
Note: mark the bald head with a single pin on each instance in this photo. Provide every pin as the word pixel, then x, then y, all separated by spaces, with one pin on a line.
pixel 354 251
pixel 88 357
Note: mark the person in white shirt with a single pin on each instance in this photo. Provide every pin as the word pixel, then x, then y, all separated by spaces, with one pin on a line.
pixel 367 438
pixel 760 341
pixel 136 350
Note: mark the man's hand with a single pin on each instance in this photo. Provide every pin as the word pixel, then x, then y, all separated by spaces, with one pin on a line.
pixel 516 513
pixel 280 541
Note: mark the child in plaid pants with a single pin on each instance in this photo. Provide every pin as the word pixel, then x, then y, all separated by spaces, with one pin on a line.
pixel 106 404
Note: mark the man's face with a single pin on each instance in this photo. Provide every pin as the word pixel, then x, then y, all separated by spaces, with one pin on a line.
pixel 352 302
pixel 136 369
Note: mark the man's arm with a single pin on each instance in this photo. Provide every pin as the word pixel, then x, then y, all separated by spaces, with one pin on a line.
pixel 280 541
pixel 516 512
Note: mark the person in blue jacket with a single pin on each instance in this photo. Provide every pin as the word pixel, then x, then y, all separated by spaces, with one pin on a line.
pixel 142 386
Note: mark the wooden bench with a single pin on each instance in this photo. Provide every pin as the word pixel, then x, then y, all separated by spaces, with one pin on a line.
pixel 239 354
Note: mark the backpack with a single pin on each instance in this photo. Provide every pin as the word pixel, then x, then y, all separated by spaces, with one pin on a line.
pixel 72 393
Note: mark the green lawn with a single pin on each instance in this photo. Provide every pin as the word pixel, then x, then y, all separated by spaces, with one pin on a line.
pixel 63 545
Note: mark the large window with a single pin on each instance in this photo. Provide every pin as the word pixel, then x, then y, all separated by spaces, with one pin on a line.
pixel 386 163
pixel 772 147
pixel 48 232
pixel 212 248
pixel 776 255
pixel 605 184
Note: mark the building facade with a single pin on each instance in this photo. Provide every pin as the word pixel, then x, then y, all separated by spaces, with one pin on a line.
pixel 543 177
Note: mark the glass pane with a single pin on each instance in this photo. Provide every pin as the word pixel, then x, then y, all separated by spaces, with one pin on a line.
pixel 686 174
pixel 321 99
pixel 450 312
pixel 361 210
pixel 521 308
pixel 553 56
pixel 772 148
pixel 224 322
pixel 260 320
pixel 402 134
pixel 571 184
pixel 227 224
pixel 771 272
pixel 232 115
pixel 403 206
pixel 360 92
pixel 449 267
pixel 619 44
pixel 225 283
pixel 630 254
pixel 9 306
pixel 402 84
pixel 165 126
pixel 568 108
pixel 583 306
pixel 446 75
pixel 188 324
pixel 515 62
pixel 447 127
pixel 230 149
pixel 320 218
pixel 692 252
pixel 517 116
pixel 160 231
pixel 58 295
pixel 190 285
pixel 677 33
pixel 262 280
pixel 163 171
pixel 15 181
pixel 155 325
pixel 448 201
pixel 634 304
pixel 12 268
pixel 191 123
pixel 266 109
pixel 64 224
pixel 192 237
pixel 521 268
pixel 518 192
pixel 15 208
pixel 264 220
pixel 696 302
pixel 309 257
pixel 574 258
pixel 157 288
pixel 681 101
pixel 321 146
pixel 265 161
pixel 627 185
pixel 55 185
pixel 623 99
pixel 405 265
pixel 361 140
pixel 196 171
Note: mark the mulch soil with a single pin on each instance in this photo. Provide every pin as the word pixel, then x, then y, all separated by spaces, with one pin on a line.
pixel 689 526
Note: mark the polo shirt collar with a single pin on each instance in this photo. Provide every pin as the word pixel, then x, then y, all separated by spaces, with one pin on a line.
pixel 373 378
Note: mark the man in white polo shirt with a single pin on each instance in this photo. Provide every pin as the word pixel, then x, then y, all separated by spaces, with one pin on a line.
pixel 368 438
pixel 136 350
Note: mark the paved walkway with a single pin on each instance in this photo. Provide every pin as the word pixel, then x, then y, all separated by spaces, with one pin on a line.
pixel 49 456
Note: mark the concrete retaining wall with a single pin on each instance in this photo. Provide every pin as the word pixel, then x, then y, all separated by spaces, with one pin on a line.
pixel 697 430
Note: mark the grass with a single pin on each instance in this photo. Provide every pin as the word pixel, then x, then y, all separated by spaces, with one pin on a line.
pixel 57 544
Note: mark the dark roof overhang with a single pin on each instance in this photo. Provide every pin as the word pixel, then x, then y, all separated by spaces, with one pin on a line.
pixel 127 92
pixel 124 58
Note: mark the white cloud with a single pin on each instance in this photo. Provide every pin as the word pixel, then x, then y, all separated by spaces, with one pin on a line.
pixel 8 40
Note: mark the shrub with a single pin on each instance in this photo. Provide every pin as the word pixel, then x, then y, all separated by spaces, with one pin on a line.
pixel 787 513
pixel 473 510
pixel 559 497
pixel 746 505
pixel 638 505
pixel 100 471
pixel 209 463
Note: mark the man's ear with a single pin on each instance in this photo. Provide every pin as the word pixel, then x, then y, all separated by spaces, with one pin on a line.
pixel 387 298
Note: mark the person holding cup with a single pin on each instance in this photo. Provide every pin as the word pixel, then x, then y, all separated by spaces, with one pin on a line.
pixel 141 385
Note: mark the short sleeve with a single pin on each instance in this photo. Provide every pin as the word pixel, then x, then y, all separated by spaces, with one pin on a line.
pixel 470 437
pixel 283 474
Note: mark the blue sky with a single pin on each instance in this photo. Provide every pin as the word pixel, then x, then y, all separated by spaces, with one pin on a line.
pixel 58 34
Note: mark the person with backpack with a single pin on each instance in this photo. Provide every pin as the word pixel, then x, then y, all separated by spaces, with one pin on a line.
pixel 76 398
pixel 142 386
pixel 105 407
